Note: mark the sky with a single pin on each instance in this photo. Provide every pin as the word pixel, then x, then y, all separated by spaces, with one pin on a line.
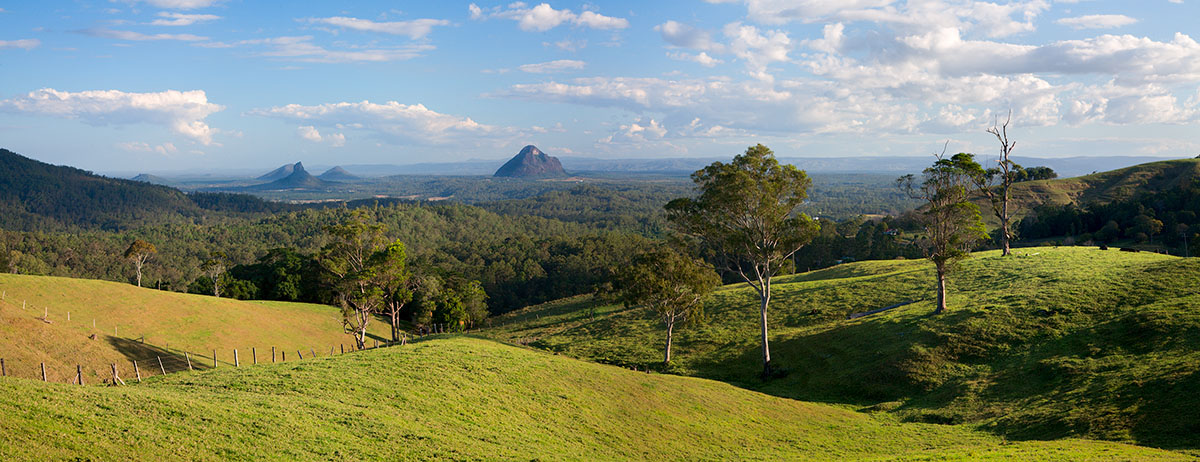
pixel 175 85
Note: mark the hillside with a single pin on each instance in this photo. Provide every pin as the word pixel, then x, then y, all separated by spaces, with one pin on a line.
pixel 1051 343
pixel 337 174
pixel 1106 186
pixel 299 178
pixel 36 195
pixel 147 323
pixel 469 399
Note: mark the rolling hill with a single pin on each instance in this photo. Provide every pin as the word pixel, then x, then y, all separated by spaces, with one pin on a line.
pixel 1104 187
pixel 134 323
pixel 1051 343
pixel 471 399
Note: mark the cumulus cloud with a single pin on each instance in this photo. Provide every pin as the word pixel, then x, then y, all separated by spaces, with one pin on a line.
pixel 1097 21
pixel 552 66
pixel 544 17
pixel 25 44
pixel 138 36
pixel 414 29
pixel 685 36
pixel 394 121
pixel 311 133
pixel 183 112
pixel 301 48
pixel 181 19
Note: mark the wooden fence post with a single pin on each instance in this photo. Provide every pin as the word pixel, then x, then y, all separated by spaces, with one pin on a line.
pixel 298 353
pixel 137 372
pixel 186 356
pixel 43 372
pixel 314 352
pixel 272 354
pixel 283 356
pixel 3 371
pixel 376 343
pixel 343 346
pixel 254 355
pixel 163 369
pixel 331 351
pixel 235 359
pixel 79 374
pixel 116 377
pixel 214 359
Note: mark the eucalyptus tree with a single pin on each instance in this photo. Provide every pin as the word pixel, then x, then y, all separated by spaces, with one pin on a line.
pixel 671 284
pixel 138 252
pixel 745 218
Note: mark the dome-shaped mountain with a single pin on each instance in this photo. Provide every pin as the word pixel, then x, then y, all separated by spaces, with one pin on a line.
pixel 337 174
pixel 531 162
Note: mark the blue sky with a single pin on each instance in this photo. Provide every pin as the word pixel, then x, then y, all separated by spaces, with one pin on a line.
pixel 162 85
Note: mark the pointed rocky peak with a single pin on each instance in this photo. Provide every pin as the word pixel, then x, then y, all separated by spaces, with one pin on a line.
pixel 531 162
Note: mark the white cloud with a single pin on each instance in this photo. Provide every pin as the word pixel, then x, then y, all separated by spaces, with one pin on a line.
pixel 757 49
pixel 25 44
pixel 181 19
pixel 401 123
pixel 138 146
pixel 544 17
pixel 552 66
pixel 181 111
pixel 180 4
pixel 302 49
pixel 414 29
pixel 685 36
pixel 701 58
pixel 1097 21
pixel 310 133
pixel 138 36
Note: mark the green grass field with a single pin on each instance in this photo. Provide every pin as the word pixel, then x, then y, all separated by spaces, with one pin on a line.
pixel 465 398
pixel 1051 343
pixel 1100 187
pixel 148 323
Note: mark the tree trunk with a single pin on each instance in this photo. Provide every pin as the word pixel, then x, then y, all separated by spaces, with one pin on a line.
pixel 139 273
pixel 941 289
pixel 766 347
pixel 395 324
pixel 1004 226
pixel 670 334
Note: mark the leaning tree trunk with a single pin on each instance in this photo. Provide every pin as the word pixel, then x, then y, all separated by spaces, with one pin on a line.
pixel 766 347
pixel 941 289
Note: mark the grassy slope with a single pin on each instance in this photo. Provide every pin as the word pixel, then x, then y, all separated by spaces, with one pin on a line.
pixel 1062 342
pixel 182 322
pixel 1101 187
pixel 469 399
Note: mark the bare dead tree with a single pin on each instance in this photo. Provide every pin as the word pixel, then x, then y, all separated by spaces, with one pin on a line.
pixel 1003 173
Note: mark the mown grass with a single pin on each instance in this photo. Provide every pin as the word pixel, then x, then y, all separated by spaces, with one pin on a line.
pixel 148 323
pixel 1047 344
pixel 471 399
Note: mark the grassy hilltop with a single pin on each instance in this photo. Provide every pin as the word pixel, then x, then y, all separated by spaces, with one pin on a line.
pixel 1050 343
pixel 147 323
pixel 1101 187
pixel 471 399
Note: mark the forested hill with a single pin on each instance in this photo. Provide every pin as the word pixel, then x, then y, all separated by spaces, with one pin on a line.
pixel 36 196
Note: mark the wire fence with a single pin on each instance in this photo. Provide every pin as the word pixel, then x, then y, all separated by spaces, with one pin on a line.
pixel 145 359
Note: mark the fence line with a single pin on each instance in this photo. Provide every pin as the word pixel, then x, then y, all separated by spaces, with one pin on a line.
pixel 166 364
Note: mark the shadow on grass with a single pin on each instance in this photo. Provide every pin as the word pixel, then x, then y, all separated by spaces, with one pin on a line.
pixel 148 357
